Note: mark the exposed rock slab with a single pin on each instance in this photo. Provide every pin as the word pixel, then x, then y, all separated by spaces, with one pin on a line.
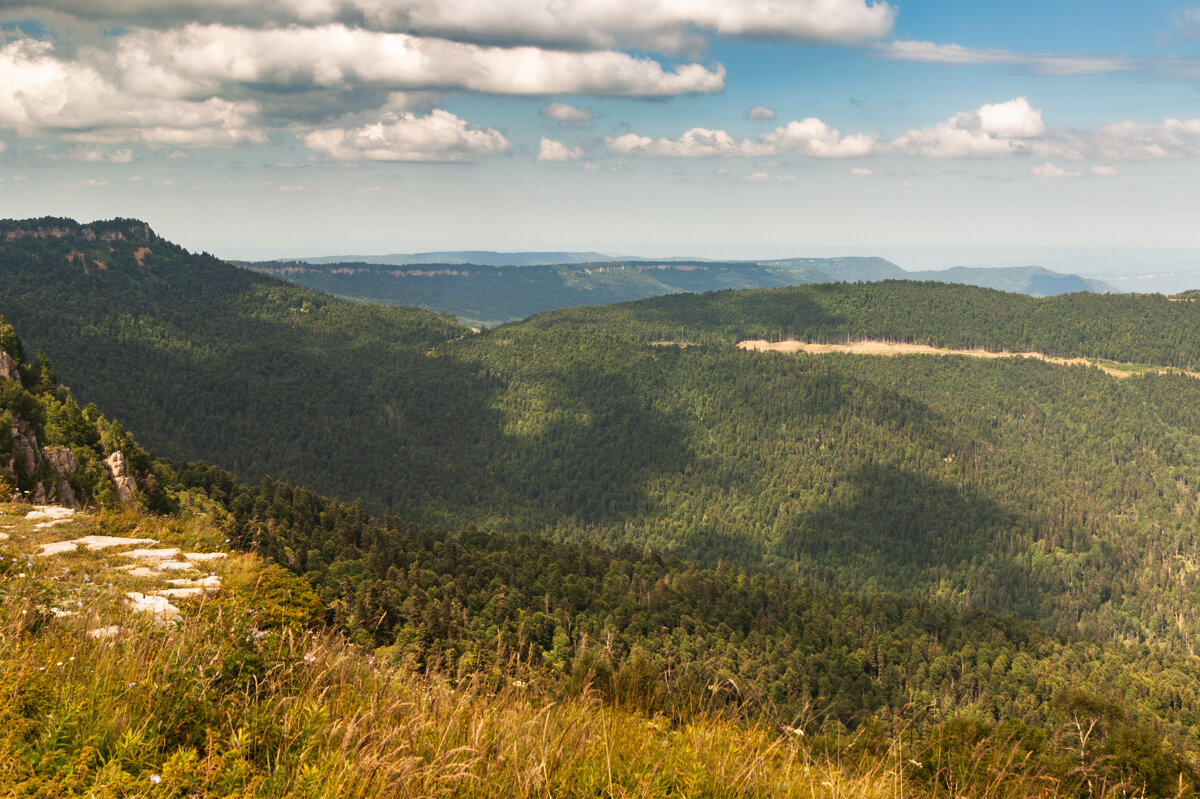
pixel 49 512
pixel 153 554
pixel 160 606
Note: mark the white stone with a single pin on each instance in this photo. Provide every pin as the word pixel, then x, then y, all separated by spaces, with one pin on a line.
pixel 51 523
pixel 204 556
pixel 49 512
pixel 105 632
pixel 95 542
pixel 176 565
pixel 160 606
pixel 153 554
pixel 206 582
pixel 182 593
pixel 57 548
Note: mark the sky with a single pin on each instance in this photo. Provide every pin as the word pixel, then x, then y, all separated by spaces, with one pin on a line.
pixel 928 131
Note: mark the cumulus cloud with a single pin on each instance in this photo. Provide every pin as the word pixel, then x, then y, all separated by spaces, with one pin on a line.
pixel 814 138
pixel 988 131
pixel 695 143
pixel 996 130
pixel 439 136
pixel 1105 171
pixel 760 112
pixel 862 172
pixel 1049 170
pixel 1128 141
pixel 666 26
pixel 39 93
pixel 810 137
pixel 568 116
pixel 203 57
pixel 551 150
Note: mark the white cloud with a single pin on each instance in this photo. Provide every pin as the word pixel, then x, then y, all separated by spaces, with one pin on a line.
pixel 988 131
pixel 568 116
pixel 439 136
pixel 1128 141
pixel 335 56
pixel 551 150
pixel 760 112
pixel 695 143
pixel 767 177
pixel 1049 170
pixel 1188 22
pixel 98 156
pixel 368 190
pixel 668 26
pixel 40 93
pixel 810 137
pixel 814 138
pixel 1105 171
pixel 291 188
pixel 1041 63
pixel 862 172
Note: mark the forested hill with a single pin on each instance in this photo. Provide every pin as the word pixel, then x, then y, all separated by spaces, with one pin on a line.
pixel 210 361
pixel 1058 493
pixel 1143 328
pixel 656 647
pixel 491 292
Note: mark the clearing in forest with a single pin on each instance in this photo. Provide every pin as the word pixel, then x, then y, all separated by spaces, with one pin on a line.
pixel 871 347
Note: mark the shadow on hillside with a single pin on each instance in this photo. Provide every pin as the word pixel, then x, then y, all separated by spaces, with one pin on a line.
pixel 591 453
pixel 892 529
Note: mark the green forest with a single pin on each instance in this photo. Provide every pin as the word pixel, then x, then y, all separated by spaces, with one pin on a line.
pixel 619 496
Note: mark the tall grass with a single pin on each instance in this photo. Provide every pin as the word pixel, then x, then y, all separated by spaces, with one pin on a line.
pixel 239 699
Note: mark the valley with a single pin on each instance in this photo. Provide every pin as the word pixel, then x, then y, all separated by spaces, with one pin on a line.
pixel 633 509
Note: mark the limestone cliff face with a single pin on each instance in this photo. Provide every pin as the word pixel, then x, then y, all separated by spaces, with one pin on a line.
pixel 62 462
pixel 26 457
pixel 122 477
pixel 8 367
pixel 55 228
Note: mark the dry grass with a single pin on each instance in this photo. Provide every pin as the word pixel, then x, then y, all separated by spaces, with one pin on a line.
pixel 215 706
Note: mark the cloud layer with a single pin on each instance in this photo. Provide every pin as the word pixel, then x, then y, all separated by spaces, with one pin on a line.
pixel 671 27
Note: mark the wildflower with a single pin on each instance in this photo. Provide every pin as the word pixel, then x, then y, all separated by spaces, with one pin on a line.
pixel 154 778
pixel 309 657
pixel 519 684
pixel 59 664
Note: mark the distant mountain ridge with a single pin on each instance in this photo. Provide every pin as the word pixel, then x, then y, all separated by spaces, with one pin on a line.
pixel 487 292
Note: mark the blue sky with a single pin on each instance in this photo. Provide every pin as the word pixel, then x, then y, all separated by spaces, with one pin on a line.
pixel 734 128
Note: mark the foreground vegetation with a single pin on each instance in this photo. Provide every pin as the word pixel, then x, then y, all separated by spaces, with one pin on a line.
pixel 244 696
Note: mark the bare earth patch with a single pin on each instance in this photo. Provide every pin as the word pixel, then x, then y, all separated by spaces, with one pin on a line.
pixel 896 348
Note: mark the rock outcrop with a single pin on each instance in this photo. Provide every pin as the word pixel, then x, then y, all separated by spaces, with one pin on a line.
pixel 26 455
pixel 122 477
pixel 63 462
pixel 8 367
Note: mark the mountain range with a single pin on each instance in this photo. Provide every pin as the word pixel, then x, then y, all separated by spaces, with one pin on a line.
pixel 500 287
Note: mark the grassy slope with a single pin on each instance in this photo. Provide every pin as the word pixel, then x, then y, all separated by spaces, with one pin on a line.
pixel 237 699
